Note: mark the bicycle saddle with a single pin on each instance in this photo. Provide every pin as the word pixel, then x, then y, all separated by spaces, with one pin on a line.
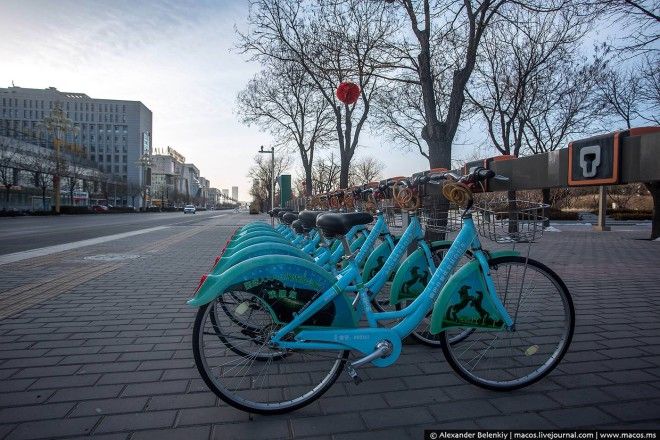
pixel 308 218
pixel 297 226
pixel 334 225
pixel 289 217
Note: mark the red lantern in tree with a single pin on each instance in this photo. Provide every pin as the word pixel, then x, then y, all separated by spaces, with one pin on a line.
pixel 348 92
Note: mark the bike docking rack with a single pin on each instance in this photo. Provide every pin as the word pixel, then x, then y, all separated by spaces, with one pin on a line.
pixel 616 158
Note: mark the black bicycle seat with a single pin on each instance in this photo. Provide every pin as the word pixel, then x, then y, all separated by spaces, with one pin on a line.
pixel 308 218
pixel 297 226
pixel 289 217
pixel 334 225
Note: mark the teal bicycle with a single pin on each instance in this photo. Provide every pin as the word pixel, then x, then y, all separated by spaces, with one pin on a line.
pixel 303 322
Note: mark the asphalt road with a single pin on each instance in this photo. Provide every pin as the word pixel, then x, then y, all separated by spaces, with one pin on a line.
pixel 26 233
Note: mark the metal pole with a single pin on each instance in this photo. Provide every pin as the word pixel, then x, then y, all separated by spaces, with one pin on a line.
pixel 272 183
pixel 602 209
pixel 56 177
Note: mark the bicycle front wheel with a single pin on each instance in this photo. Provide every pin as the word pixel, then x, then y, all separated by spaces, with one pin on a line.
pixel 236 362
pixel 544 319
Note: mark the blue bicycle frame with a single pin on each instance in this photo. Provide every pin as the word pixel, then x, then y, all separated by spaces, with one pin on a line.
pixel 365 339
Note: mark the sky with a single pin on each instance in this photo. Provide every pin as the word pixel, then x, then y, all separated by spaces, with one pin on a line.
pixel 175 56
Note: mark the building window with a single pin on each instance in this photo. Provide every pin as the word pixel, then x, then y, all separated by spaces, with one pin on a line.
pixel 123 158
pixel 100 157
pixel 108 157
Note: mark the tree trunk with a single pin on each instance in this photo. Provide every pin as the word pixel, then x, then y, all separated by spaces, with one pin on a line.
pixel 654 189
pixel 308 180
pixel 343 172
pixel 513 214
pixel 439 150
pixel 545 193
pixel 43 197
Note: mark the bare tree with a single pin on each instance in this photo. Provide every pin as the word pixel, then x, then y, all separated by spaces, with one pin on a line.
pixel 641 20
pixel 365 170
pixel 43 167
pixel 282 101
pixel 8 163
pixel 261 173
pixel 520 57
pixel 326 174
pixel 439 60
pixel 630 95
pixel 73 169
pixel 333 41
pixel 621 95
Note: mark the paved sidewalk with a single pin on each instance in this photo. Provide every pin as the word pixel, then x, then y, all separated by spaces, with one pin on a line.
pixel 100 343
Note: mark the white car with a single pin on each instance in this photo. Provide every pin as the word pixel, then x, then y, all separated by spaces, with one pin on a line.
pixel 189 209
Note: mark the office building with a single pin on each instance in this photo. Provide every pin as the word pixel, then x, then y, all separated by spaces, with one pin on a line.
pixel 234 193
pixel 114 134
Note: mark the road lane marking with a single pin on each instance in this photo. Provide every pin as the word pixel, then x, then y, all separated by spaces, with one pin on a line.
pixel 22 297
pixel 218 216
pixel 25 255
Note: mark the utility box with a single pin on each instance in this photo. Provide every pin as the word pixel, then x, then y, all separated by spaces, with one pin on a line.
pixel 284 182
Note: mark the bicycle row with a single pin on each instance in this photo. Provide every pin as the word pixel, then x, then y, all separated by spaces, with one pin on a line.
pixel 284 307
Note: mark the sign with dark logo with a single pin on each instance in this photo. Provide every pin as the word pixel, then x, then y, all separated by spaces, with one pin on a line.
pixel 594 161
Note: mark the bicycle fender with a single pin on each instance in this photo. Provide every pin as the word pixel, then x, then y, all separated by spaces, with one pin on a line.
pixel 465 302
pixel 286 283
pixel 376 260
pixel 257 250
pixel 411 277
pixel 238 238
pixel 237 246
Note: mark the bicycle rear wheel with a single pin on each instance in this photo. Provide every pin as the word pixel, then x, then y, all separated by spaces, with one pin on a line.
pixel 544 319
pixel 236 362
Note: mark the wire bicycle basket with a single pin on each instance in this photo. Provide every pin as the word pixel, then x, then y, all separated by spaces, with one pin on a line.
pixel 439 219
pixel 510 221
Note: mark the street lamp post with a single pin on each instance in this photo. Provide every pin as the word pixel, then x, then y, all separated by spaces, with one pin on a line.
pixel 144 161
pixel 59 125
pixel 272 179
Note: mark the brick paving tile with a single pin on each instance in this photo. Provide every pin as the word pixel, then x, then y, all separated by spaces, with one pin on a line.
pixel 109 406
pixel 191 433
pixel 112 357
pixel 306 426
pixel 53 428
pixel 272 429
pixel 585 417
pixel 394 417
pixel 129 422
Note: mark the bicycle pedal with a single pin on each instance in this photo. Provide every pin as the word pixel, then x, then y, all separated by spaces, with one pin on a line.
pixel 357 380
